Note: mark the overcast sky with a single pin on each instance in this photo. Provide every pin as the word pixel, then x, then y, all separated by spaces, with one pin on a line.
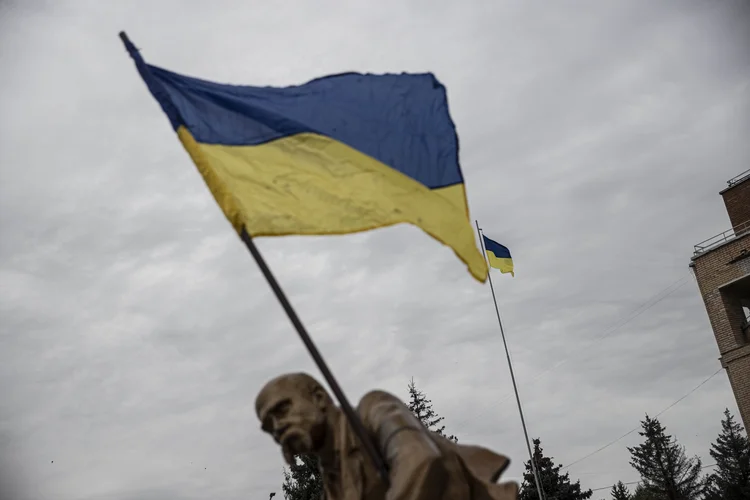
pixel 135 329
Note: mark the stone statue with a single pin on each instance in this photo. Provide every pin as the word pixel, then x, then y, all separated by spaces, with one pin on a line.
pixel 302 418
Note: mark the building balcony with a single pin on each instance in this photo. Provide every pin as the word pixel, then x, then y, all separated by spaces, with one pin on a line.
pixel 722 238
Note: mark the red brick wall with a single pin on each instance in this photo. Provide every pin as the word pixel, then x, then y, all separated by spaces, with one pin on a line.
pixel 739 378
pixel 712 271
pixel 737 201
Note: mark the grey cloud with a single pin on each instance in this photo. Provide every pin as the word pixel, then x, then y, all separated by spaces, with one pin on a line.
pixel 136 329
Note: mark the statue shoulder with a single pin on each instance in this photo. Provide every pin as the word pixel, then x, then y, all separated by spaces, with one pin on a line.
pixel 376 398
pixel 377 406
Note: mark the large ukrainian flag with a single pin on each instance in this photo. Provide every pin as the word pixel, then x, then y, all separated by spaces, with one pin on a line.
pixel 337 155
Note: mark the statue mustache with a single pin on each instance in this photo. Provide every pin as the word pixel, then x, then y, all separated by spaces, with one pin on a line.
pixel 294 422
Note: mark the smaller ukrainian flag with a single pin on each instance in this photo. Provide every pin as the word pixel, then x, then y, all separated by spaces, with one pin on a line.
pixel 499 256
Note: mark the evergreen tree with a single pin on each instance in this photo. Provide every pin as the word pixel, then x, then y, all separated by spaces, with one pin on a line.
pixel 731 451
pixel 554 484
pixel 643 493
pixel 620 492
pixel 665 470
pixel 303 480
pixel 421 407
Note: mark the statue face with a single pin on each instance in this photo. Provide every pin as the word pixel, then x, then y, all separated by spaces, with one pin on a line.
pixel 294 415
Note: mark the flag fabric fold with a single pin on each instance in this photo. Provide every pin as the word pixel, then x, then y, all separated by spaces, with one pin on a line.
pixel 340 154
pixel 499 256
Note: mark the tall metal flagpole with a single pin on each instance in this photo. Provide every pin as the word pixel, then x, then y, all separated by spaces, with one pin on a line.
pixel 537 479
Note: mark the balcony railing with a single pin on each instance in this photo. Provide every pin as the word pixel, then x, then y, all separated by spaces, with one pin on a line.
pixel 738 178
pixel 722 238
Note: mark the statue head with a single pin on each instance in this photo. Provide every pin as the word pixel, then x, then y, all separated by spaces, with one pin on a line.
pixel 296 411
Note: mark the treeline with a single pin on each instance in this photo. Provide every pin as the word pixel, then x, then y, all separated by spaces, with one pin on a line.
pixel 666 472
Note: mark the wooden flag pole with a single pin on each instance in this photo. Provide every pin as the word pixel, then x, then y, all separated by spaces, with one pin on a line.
pixel 356 423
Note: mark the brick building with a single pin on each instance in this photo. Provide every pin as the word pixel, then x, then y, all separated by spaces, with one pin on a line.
pixel 722 269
